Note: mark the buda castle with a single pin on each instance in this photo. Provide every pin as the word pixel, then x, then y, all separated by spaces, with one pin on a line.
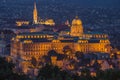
pixel 38 44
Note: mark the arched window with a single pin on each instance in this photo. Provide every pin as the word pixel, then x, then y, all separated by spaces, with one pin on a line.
pixel 28 36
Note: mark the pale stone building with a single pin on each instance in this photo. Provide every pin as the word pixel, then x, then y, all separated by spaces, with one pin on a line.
pixel 38 44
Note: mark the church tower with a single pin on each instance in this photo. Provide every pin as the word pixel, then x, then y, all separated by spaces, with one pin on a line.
pixel 76 28
pixel 35 14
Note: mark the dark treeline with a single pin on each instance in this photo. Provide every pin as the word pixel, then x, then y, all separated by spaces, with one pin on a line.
pixel 50 72
pixel 7 71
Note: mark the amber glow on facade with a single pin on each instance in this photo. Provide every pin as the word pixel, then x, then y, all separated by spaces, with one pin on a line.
pixel 36 19
pixel 76 28
pixel 29 48
pixel 35 14
pixel 38 44
pixel 20 23
pixel 49 22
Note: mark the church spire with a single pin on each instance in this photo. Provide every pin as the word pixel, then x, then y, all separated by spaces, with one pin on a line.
pixel 35 5
pixel 35 14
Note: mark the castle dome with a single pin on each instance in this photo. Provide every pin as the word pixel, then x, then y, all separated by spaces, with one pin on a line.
pixel 76 28
pixel 76 21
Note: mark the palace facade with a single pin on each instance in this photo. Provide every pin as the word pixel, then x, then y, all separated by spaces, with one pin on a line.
pixel 25 46
pixel 38 44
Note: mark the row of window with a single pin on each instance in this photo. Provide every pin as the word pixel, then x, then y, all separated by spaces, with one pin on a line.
pixel 96 36
pixel 34 53
pixel 104 41
pixel 39 49
pixel 34 36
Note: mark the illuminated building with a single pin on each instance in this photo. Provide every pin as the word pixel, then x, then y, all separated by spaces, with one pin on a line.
pixel 36 20
pixel 35 15
pixel 49 22
pixel 76 28
pixel 67 23
pixel 21 23
pixel 38 44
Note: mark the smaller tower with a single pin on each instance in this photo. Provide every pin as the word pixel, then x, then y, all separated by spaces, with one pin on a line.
pixel 35 14
pixel 67 23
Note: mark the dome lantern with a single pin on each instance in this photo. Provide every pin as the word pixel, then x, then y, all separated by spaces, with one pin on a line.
pixel 76 21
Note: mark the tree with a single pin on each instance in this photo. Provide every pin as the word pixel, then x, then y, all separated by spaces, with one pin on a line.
pixel 86 75
pixel 34 61
pixel 7 73
pixel 79 55
pixel 48 72
pixel 5 68
pixel 67 50
pixel 52 72
pixel 109 74
pixel 52 53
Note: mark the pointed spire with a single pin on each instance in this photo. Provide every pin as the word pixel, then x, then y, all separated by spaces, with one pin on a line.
pixel 35 14
pixel 76 17
pixel 35 5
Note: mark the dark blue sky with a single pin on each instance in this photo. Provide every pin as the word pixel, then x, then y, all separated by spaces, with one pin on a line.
pixel 81 3
pixel 89 3
pixel 101 2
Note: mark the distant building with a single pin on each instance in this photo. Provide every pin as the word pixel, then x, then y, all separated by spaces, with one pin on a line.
pixel 36 20
pixel 49 22
pixel 22 23
pixel 67 23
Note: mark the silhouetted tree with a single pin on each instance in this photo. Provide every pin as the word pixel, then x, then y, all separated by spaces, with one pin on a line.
pixel 67 50
pixel 108 74
pixel 34 61
pixel 79 55
pixel 52 53
pixel 7 73
pixel 52 72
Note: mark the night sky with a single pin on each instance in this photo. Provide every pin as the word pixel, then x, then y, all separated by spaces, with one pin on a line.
pixel 81 3
pixel 107 3
pixel 89 3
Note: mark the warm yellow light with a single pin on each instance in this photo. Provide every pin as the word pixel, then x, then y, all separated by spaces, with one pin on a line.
pixel 28 41
pixel 20 23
